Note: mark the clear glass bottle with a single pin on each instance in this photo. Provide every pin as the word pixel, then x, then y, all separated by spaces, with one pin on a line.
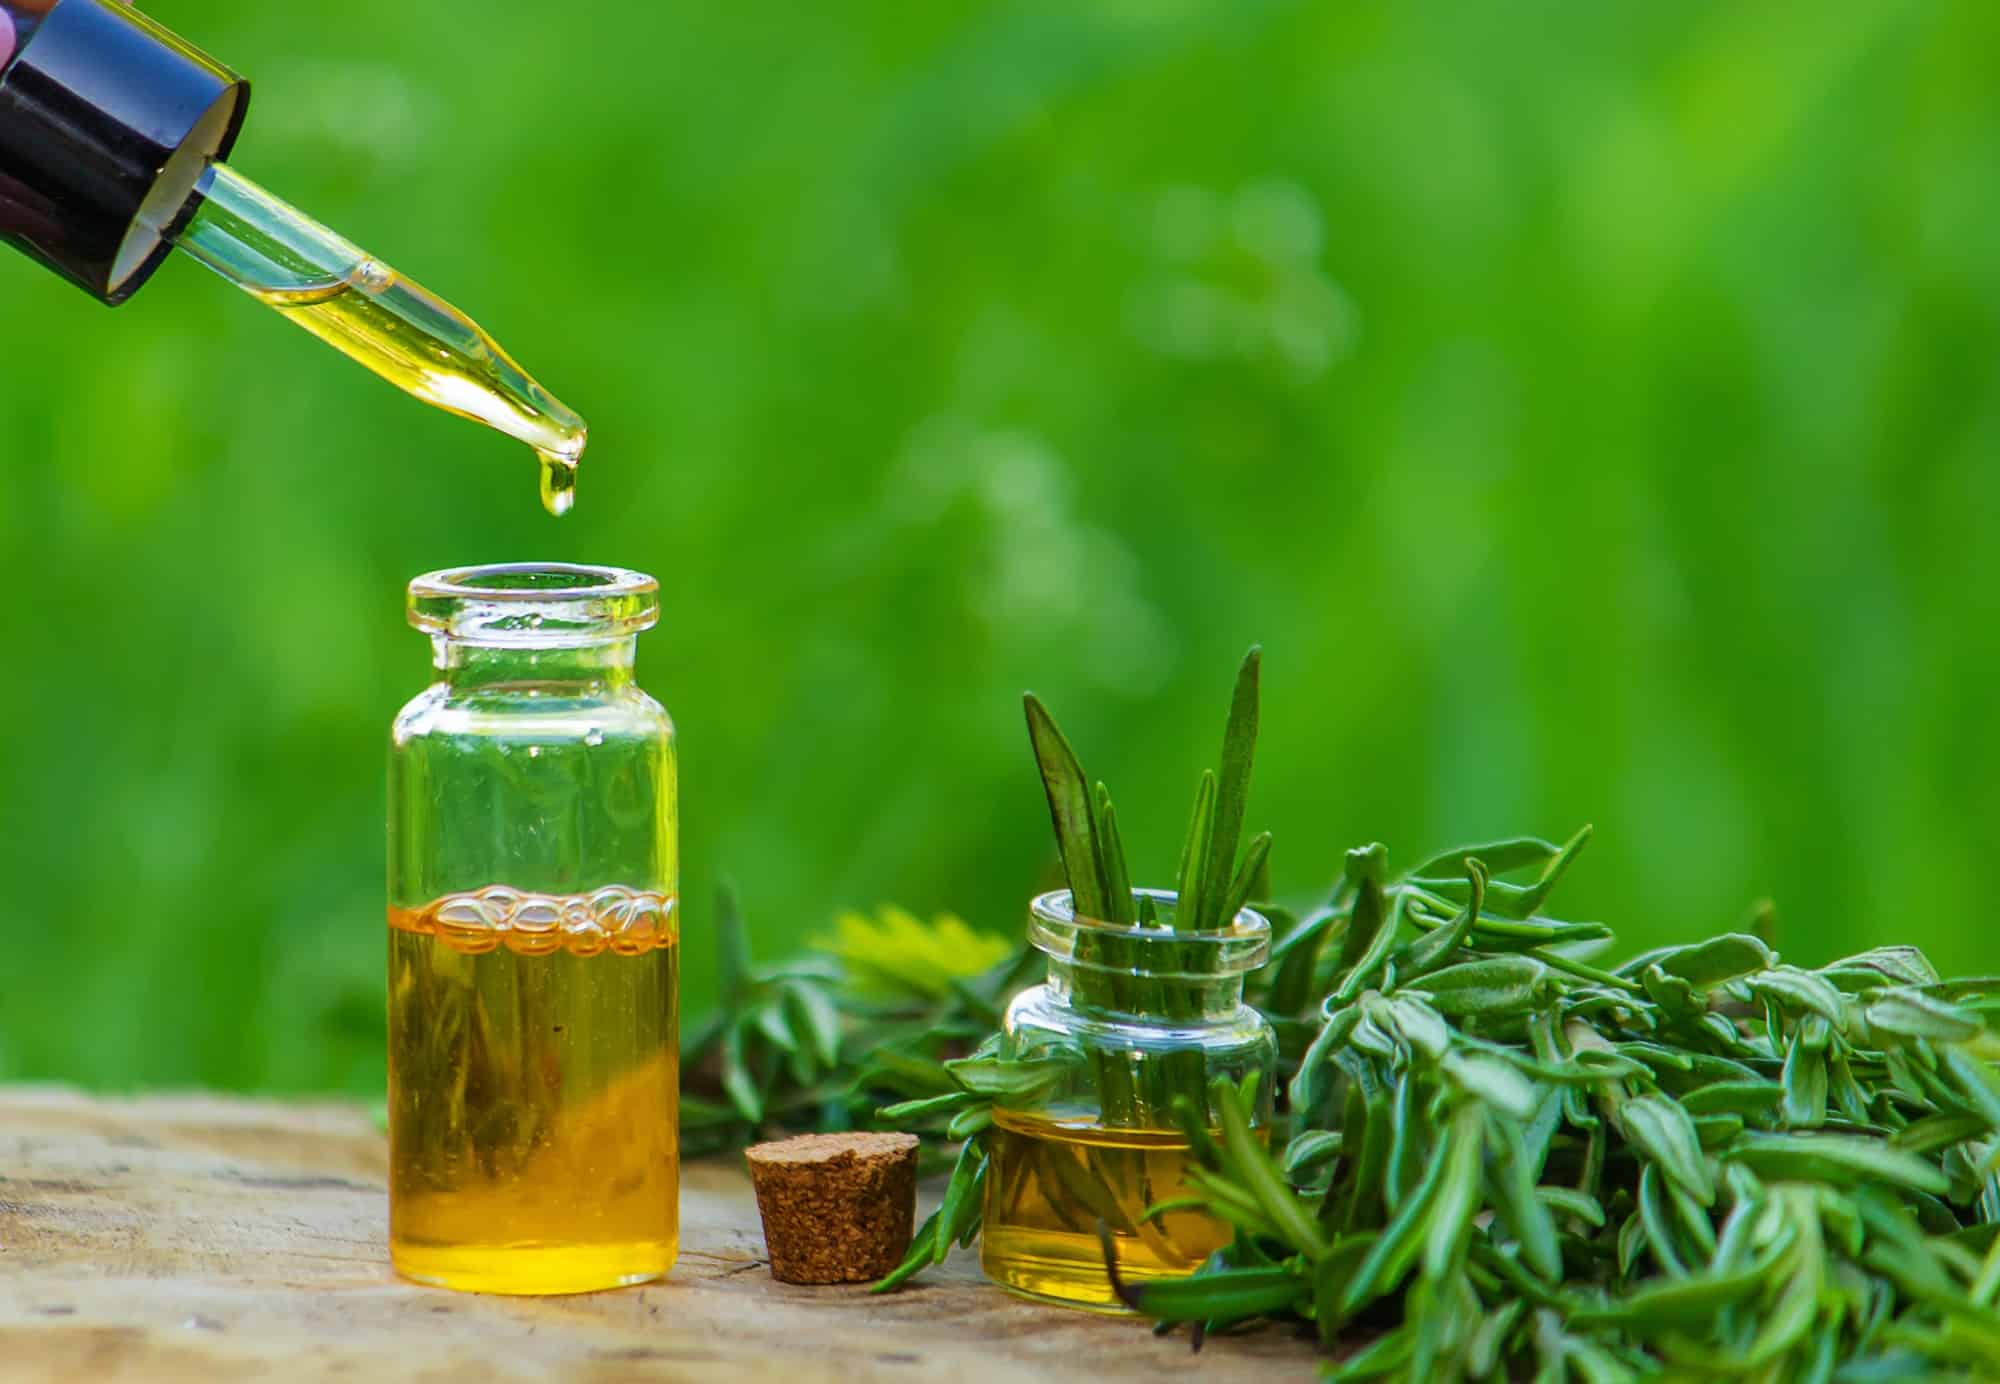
pixel 534 1058
pixel 1134 1016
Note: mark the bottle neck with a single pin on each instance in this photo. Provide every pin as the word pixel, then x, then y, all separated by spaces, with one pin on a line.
pixel 1176 999
pixel 600 666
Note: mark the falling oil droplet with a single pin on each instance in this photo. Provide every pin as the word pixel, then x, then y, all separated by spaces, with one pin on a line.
pixel 558 483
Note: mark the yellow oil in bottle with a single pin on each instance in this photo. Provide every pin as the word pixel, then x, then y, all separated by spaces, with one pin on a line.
pixel 1048 1186
pixel 534 1073
pixel 424 346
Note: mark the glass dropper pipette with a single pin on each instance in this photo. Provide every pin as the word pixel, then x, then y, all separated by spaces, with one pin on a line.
pixel 363 308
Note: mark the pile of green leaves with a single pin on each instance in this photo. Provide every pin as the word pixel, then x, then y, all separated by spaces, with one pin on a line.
pixel 1505 1162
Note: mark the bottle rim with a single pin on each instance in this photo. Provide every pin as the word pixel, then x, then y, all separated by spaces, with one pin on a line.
pixel 534 604
pixel 1055 929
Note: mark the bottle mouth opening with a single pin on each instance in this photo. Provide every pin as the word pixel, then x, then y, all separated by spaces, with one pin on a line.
pixel 534 604
pixel 1157 951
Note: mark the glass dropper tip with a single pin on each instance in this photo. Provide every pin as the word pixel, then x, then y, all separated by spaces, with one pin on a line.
pixel 375 316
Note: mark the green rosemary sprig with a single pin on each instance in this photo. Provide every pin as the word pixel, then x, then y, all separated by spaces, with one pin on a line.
pixel 974 1084
pixel 822 1041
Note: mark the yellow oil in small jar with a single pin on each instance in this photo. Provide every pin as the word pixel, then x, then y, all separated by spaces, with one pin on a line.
pixel 534 1073
pixel 1048 1186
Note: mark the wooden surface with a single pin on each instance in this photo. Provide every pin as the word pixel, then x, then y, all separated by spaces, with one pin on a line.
pixel 194 1238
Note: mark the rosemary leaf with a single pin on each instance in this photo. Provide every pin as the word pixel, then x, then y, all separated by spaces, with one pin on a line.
pixel 1243 888
pixel 1194 855
pixel 1111 862
pixel 962 1197
pixel 1262 1177
pixel 1239 746
pixel 1070 810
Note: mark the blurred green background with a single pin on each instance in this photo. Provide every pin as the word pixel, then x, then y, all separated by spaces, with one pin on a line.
pixel 1592 408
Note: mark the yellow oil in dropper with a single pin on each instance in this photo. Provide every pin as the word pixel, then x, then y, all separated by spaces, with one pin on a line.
pixel 366 310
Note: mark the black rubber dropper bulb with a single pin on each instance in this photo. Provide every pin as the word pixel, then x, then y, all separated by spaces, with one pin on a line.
pixel 107 121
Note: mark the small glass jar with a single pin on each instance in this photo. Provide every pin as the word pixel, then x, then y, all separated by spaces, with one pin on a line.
pixel 1131 1017
pixel 534 1055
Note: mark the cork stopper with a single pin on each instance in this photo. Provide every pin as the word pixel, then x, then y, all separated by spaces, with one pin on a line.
pixel 837 1208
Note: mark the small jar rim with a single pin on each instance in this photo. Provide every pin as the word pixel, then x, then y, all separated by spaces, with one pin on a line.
pixel 534 604
pixel 1054 927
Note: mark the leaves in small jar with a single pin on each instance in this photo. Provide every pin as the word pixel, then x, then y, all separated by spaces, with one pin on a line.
pixel 1216 878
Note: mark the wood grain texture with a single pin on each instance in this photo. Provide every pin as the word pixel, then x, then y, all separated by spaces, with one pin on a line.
pixel 202 1239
